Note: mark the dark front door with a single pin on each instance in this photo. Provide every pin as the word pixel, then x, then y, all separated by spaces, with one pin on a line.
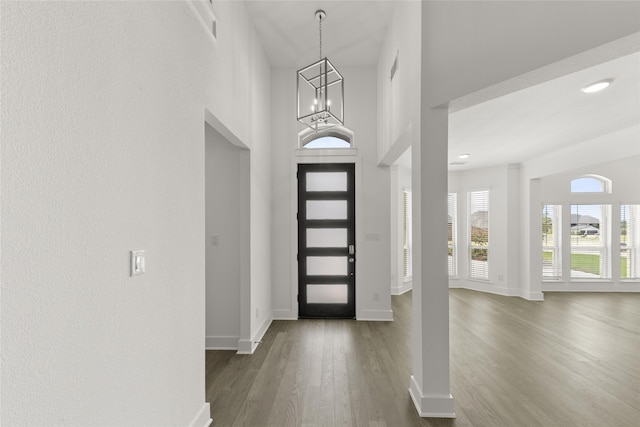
pixel 326 240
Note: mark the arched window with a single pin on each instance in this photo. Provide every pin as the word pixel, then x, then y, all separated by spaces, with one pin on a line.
pixel 331 139
pixel 591 184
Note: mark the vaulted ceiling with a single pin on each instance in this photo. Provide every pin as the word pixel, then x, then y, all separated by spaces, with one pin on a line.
pixel 508 129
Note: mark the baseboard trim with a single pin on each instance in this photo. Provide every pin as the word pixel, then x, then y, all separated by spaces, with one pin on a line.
pixel 399 290
pixel 532 296
pixel 375 315
pixel 488 288
pixel 203 418
pixel 221 343
pixel 281 314
pixel 249 346
pixel 431 406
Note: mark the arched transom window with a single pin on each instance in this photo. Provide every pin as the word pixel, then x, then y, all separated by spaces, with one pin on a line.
pixel 328 140
pixel 591 184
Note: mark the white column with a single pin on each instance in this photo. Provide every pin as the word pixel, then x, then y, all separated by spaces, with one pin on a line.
pixel 430 385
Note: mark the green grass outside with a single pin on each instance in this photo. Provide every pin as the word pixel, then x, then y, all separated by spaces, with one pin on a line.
pixel 588 263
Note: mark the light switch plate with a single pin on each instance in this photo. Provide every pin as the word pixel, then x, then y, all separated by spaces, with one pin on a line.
pixel 137 262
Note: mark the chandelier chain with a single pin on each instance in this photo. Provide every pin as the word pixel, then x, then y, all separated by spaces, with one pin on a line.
pixel 320 26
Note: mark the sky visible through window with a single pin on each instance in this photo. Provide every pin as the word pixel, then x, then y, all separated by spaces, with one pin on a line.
pixel 328 142
pixel 587 184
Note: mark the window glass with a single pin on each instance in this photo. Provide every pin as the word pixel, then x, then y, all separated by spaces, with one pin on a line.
pixel 551 241
pixel 589 184
pixel 590 241
pixel 328 142
pixel 478 220
pixel 629 242
pixel 452 231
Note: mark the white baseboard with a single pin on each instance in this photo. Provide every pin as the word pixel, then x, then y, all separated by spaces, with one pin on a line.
pixel 375 315
pixel 221 343
pixel 431 406
pixel 249 346
pixel 487 287
pixel 532 296
pixel 281 314
pixel 203 418
pixel 399 290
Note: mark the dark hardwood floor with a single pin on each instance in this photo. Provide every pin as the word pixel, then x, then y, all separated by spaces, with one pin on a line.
pixel 572 360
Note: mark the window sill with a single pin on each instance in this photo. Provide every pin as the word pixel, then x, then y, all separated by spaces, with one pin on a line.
pixel 474 279
pixel 311 152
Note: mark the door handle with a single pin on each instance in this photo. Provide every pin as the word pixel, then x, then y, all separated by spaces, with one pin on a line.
pixel 352 249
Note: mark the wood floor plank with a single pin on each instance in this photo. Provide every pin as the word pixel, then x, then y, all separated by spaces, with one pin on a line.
pixel 571 360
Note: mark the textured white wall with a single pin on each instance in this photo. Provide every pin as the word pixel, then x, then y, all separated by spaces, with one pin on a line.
pixel 103 152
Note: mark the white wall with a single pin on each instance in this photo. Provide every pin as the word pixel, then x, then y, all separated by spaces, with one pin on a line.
pixel 372 195
pixel 223 256
pixel 103 152
pixel 503 241
pixel 399 99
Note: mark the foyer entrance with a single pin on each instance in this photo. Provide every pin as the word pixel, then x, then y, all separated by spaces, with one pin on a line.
pixel 326 240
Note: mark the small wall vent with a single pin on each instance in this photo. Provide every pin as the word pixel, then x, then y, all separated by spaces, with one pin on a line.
pixel 204 8
pixel 394 67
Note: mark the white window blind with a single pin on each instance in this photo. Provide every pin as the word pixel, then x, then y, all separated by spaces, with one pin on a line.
pixel 452 202
pixel 478 220
pixel 630 241
pixel 590 241
pixel 551 241
pixel 406 234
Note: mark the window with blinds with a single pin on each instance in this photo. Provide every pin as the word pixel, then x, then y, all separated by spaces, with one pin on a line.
pixel 630 241
pixel 406 234
pixel 478 220
pixel 551 241
pixel 590 241
pixel 452 210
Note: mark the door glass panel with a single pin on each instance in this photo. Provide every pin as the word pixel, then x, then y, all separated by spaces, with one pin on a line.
pixel 326 209
pixel 327 266
pixel 326 181
pixel 326 294
pixel 326 237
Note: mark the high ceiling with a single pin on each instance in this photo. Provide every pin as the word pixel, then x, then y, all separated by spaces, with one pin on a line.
pixel 508 129
pixel 352 32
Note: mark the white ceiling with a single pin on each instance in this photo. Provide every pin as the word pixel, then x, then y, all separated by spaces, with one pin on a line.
pixel 508 129
pixel 548 116
pixel 352 32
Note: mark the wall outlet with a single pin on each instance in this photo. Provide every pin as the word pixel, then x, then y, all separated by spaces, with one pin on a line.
pixel 215 240
pixel 376 296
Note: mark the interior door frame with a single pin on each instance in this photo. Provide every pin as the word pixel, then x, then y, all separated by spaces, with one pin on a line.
pixel 344 155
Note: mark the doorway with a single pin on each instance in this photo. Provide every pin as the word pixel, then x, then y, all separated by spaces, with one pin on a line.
pixel 326 240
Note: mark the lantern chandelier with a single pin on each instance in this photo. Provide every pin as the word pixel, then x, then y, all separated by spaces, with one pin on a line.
pixel 320 91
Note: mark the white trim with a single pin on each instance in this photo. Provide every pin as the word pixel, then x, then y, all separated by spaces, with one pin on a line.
pixel 596 286
pixel 283 314
pixel 405 287
pixel 203 417
pixel 221 343
pixel 532 296
pixel 314 156
pixel 375 315
pixel 249 346
pixel 431 406
pixel 316 152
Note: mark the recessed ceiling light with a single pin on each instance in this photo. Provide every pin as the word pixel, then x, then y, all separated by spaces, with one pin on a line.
pixel 464 156
pixel 597 86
